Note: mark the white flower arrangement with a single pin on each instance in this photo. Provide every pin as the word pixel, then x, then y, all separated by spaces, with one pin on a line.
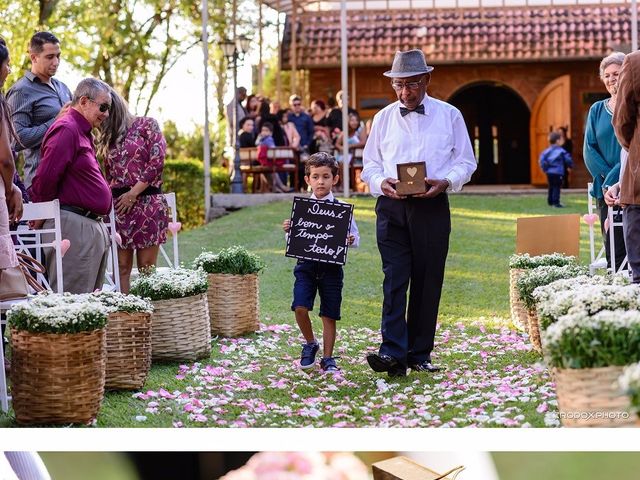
pixel 579 340
pixel 526 261
pixel 120 302
pixel 584 293
pixel 629 383
pixel 170 283
pixel 539 276
pixel 234 260
pixel 58 313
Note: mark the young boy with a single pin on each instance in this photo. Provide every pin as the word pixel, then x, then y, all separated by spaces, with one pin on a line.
pixel 553 162
pixel 266 136
pixel 321 174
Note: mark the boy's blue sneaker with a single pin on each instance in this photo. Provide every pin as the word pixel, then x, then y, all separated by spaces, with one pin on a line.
pixel 308 356
pixel 328 364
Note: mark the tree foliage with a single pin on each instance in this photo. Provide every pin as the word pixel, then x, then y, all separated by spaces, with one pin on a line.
pixel 130 44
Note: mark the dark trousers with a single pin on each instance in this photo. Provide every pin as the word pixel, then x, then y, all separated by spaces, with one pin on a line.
pixel 413 239
pixel 631 223
pixel 618 234
pixel 555 183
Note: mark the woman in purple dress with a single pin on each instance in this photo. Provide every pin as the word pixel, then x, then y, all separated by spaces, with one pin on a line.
pixel 133 149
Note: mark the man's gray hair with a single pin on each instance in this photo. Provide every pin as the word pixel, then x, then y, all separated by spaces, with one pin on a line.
pixel 613 58
pixel 91 88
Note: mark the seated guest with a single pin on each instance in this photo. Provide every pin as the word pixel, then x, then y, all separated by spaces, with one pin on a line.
pixel 291 135
pixel 302 121
pixel 357 136
pixel 246 138
pixel 264 142
pixel 69 171
pixel 319 113
pixel 265 115
pixel 253 105
pixel 334 117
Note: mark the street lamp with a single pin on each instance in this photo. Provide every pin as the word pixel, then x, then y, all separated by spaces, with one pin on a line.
pixel 234 51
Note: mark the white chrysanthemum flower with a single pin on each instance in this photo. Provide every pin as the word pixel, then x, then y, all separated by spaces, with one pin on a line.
pixel 170 283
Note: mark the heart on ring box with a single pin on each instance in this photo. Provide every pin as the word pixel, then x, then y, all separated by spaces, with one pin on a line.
pixel 411 171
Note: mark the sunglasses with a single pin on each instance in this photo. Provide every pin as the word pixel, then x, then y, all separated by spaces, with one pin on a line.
pixel 103 107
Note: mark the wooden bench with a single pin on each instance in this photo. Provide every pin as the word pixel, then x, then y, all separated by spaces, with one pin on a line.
pixel 249 165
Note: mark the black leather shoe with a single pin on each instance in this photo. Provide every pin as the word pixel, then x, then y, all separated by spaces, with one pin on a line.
pixel 425 366
pixel 386 363
pixel 397 371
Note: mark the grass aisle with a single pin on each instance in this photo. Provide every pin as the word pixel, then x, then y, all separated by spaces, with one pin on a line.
pixel 493 378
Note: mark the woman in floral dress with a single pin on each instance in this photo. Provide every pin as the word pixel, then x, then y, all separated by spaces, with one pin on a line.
pixel 133 149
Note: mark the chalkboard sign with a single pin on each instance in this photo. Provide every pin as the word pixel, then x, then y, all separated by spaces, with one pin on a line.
pixel 319 230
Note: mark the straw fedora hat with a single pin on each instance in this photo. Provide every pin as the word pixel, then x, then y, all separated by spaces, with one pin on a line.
pixel 408 64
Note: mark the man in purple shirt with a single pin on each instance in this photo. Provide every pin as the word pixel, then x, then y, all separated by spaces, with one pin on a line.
pixel 69 171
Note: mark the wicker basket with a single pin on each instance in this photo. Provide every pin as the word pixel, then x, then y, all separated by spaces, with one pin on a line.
pixel 233 304
pixel 57 378
pixel 128 350
pixel 180 329
pixel 518 310
pixel 590 397
pixel 534 330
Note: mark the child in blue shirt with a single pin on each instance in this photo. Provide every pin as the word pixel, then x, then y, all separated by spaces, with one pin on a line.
pixel 264 142
pixel 321 174
pixel 553 162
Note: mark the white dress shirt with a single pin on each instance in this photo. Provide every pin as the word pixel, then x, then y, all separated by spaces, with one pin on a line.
pixel 439 138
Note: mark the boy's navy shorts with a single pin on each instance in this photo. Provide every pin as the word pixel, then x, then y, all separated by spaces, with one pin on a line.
pixel 324 278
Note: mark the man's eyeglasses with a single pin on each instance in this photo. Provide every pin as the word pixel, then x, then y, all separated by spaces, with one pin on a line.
pixel 398 86
pixel 296 104
pixel 103 107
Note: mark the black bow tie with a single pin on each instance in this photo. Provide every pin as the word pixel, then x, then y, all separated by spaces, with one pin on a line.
pixel 419 109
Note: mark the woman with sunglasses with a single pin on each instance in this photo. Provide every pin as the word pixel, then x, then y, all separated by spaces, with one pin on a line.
pixel 133 149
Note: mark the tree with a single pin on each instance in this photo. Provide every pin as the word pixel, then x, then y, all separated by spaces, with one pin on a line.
pixel 130 44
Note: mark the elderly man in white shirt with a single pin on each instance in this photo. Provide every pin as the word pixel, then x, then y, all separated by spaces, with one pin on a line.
pixel 413 232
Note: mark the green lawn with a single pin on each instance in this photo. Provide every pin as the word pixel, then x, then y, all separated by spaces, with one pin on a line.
pixel 492 379
pixel 566 465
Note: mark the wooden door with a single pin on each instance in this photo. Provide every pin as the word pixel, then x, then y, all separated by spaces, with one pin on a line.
pixel 551 110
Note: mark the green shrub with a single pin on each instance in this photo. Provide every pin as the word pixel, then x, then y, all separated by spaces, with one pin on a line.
pixel 235 260
pixel 186 178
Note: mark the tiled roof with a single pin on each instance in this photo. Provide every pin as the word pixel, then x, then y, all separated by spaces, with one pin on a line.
pixel 469 35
